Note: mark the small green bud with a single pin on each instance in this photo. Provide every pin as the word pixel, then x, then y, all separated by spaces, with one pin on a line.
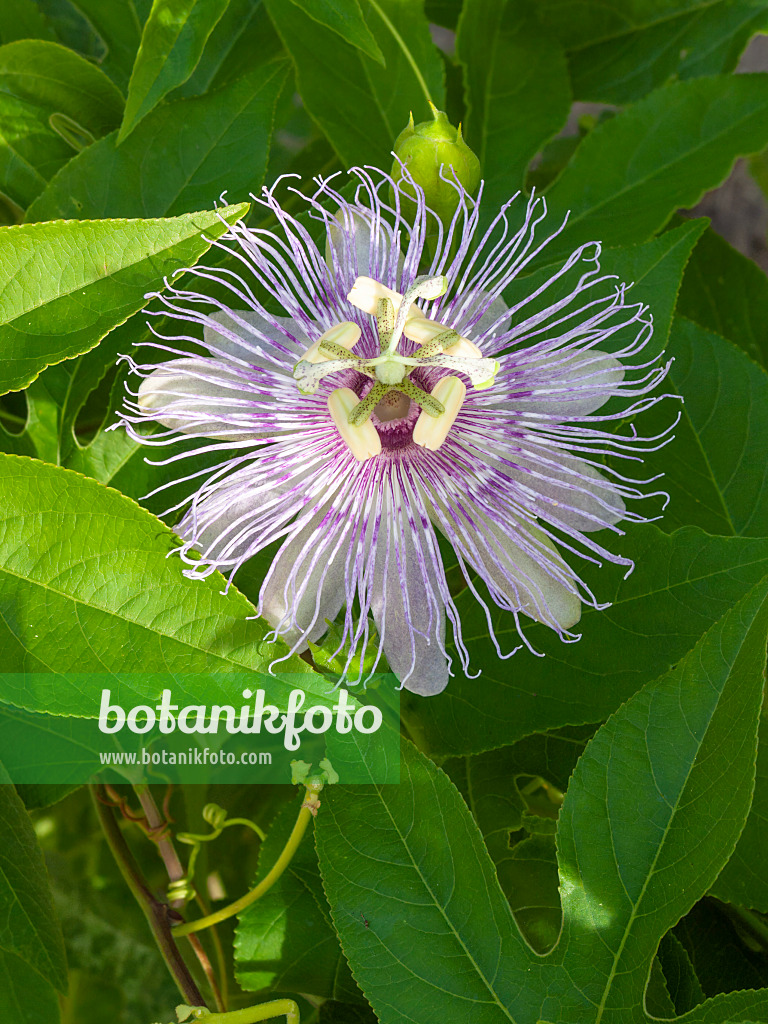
pixel 425 148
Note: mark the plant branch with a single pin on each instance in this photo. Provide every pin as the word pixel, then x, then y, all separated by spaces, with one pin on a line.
pixel 156 913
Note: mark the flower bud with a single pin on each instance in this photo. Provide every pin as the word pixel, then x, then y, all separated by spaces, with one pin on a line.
pixel 426 148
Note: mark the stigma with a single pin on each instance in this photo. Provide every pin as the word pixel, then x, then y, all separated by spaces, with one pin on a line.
pixel 391 371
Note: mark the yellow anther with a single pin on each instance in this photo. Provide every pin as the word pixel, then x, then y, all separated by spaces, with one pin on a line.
pixel 366 293
pixel 362 440
pixel 345 334
pixel 431 431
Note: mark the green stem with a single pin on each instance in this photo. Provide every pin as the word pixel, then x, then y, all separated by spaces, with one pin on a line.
pixel 253 1014
pixel 408 55
pixel 155 912
pixel 282 862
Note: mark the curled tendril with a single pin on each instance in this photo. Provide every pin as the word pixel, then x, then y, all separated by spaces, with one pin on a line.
pixel 216 817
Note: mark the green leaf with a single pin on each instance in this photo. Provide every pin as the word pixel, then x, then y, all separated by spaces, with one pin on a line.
pixel 715 470
pixel 360 106
pixel 634 170
pixel 719 956
pixel 440 934
pixel 743 881
pixel 683 985
pixel 524 857
pixel 22 19
pixel 172 43
pixel 29 928
pixel 345 18
pixel 681 755
pixel 243 29
pixel 506 55
pixel 181 157
pixel 272 950
pixel 136 613
pixel 54 306
pixel 119 25
pixel 25 997
pixel 652 812
pixel 727 293
pixel 618 52
pixel 42 83
pixel 681 584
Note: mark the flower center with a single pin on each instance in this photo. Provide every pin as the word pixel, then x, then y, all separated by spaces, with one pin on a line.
pixel 393 406
pixel 396 315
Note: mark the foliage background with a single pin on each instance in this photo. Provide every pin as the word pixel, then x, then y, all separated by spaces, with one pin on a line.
pixel 121 124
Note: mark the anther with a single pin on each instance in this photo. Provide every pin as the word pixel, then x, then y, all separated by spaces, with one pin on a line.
pixel 431 431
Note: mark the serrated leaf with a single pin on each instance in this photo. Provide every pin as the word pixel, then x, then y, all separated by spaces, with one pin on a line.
pixel 182 156
pixel 682 983
pixel 715 469
pixel 29 927
pixel 172 42
pixel 651 798
pixel 634 170
pixel 285 941
pixel 681 585
pixel 361 106
pixel 440 933
pixel 40 82
pixel 64 285
pixel 726 292
pixel 525 862
pixel 345 18
pixel 133 613
pixel 681 755
pixel 618 52
pixel 721 960
pixel 742 881
pixel 506 56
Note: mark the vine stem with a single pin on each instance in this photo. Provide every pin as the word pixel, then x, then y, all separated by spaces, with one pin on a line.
pixel 307 812
pixel 175 870
pixel 408 55
pixel 156 913
pixel 253 1014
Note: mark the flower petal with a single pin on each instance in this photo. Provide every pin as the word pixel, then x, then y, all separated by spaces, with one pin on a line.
pixel 418 661
pixel 572 384
pixel 281 329
pixel 205 397
pixel 520 563
pixel 221 523
pixel 575 493
pixel 301 590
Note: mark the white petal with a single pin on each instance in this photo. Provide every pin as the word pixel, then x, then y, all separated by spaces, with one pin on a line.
pixel 522 579
pixel 220 523
pixel 577 487
pixel 577 384
pixel 349 231
pixel 419 663
pixel 244 349
pixel 495 311
pixel 205 397
pixel 322 597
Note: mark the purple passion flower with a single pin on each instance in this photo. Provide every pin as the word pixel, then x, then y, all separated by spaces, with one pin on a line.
pixel 390 402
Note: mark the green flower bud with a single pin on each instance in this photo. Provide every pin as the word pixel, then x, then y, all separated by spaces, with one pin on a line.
pixel 425 148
